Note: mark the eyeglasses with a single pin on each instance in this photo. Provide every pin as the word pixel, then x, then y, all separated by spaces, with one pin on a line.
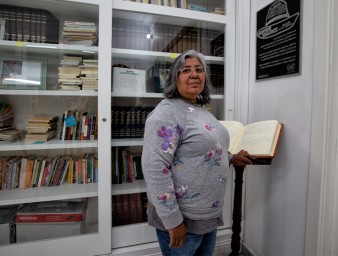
pixel 197 70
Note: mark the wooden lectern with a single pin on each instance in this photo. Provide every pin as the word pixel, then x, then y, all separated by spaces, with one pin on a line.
pixel 237 210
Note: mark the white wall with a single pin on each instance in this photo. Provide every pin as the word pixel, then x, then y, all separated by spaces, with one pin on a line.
pixel 276 195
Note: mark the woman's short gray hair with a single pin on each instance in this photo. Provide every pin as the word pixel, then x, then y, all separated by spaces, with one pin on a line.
pixel 170 90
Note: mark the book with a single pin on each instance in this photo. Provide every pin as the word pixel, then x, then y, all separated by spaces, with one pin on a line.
pixel 29 171
pixel 54 211
pixel 260 139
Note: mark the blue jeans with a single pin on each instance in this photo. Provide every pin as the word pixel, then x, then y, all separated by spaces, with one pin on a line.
pixel 197 245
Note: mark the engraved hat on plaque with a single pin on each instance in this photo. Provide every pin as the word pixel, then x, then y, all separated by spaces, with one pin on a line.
pixel 277 21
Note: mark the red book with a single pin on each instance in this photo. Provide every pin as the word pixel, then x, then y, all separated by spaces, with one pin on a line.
pixel 54 211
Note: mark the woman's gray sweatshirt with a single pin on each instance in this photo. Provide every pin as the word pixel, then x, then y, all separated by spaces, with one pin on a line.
pixel 185 162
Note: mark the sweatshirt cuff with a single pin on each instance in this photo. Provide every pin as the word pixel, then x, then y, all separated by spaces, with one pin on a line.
pixel 173 220
pixel 229 157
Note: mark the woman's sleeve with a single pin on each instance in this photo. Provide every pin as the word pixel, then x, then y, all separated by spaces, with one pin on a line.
pixel 161 139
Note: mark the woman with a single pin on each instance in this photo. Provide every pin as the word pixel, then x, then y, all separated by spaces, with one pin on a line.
pixel 185 162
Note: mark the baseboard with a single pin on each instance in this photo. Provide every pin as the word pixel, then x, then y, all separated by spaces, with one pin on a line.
pixel 245 251
pixel 223 244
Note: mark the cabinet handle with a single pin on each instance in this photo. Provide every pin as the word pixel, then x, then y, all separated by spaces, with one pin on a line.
pixel 104 119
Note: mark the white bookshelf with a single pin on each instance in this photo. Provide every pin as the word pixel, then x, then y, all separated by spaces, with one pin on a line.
pixel 30 102
pixel 102 237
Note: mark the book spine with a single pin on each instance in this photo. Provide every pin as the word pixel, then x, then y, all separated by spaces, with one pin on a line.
pixel 125 209
pixel 6 16
pixel 33 25
pixel 38 25
pixel 43 26
pixel 48 217
pixel 12 23
pixel 26 24
pixel 19 28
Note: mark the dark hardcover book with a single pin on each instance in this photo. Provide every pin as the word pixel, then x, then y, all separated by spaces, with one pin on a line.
pixel 116 121
pixel 43 26
pixel 38 25
pixel 12 23
pixel 125 209
pixel 139 208
pixel 133 122
pixel 6 16
pixel 137 160
pixel 127 125
pixel 132 208
pixel 33 25
pixel 114 211
pixel 120 166
pixel 122 122
pixel 26 24
pixel 54 211
pixel 117 203
pixel 143 120
pixel 92 127
pixel 19 28
pixel 138 124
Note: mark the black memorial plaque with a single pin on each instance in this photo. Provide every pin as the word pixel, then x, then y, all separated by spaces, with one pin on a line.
pixel 278 39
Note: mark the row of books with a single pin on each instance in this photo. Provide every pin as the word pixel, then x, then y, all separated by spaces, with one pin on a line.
pixel 165 38
pixel 126 166
pixel 79 125
pixel 170 3
pixel 46 171
pixel 181 4
pixel 53 211
pixel 29 24
pixel 42 220
pixel 129 209
pixel 129 121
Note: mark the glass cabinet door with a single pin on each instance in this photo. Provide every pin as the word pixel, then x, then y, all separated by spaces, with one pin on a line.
pixel 146 38
pixel 49 126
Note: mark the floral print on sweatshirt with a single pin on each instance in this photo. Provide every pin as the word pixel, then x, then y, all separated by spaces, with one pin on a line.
pixel 214 156
pixel 170 199
pixel 168 135
pixel 208 126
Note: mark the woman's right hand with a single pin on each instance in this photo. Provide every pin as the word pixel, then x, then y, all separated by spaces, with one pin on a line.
pixel 177 236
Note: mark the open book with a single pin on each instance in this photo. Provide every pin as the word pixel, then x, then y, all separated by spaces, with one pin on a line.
pixel 260 139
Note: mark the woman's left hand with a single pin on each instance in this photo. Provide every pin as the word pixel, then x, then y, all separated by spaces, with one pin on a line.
pixel 242 158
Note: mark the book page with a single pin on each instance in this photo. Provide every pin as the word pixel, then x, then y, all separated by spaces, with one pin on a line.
pixel 235 129
pixel 258 138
